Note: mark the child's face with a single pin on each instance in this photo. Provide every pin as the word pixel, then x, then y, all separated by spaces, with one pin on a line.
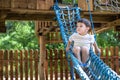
pixel 82 29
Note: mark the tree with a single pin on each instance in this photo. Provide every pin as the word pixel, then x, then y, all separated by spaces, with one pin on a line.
pixel 108 38
pixel 20 35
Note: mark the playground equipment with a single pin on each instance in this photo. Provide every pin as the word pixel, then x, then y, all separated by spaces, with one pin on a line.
pixel 108 5
pixel 97 69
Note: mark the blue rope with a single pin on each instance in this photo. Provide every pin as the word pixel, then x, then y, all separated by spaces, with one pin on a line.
pixel 101 70
pixel 91 20
pixel 92 24
pixel 66 32
pixel 56 2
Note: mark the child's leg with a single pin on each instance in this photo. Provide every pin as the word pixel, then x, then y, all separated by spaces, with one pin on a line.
pixel 85 53
pixel 76 51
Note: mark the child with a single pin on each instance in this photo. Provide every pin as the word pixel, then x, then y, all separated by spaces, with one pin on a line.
pixel 82 40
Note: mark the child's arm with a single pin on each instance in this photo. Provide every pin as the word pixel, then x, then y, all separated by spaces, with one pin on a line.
pixel 97 50
pixel 68 46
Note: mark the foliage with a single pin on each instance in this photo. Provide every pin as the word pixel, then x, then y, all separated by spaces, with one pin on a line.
pixel 19 35
pixel 55 46
pixel 108 38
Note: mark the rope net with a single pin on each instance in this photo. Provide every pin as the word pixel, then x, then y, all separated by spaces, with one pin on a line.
pixel 107 5
pixel 67 17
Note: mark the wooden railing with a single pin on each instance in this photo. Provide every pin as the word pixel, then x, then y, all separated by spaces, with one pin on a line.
pixel 23 64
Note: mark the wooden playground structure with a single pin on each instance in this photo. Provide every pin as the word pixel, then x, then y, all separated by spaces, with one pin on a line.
pixel 47 30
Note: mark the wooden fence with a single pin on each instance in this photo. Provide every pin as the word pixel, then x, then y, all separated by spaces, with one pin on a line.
pixel 15 65
pixel 23 64
pixel 58 66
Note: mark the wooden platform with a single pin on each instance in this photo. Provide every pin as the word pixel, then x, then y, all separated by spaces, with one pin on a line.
pixel 25 14
pixel 100 19
pixel 40 10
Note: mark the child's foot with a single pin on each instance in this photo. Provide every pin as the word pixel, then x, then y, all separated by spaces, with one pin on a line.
pixel 87 64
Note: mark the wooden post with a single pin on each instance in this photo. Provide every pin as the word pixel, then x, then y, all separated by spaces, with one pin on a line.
pixel 83 4
pixel 42 57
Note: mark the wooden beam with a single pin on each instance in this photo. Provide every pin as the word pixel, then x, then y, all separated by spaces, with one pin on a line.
pixel 99 30
pixel 101 17
pixel 43 17
pixel 26 14
pixel 108 26
pixel 102 13
pixel 42 57
pixel 30 11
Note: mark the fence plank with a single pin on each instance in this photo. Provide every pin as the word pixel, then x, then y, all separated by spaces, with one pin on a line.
pixel 26 64
pixel 112 57
pixel 36 64
pixel 61 64
pixel 6 64
pixel 66 68
pixel 1 64
pixel 21 65
pixel 51 65
pixel 11 64
pixel 56 64
pixel 107 57
pixel 16 64
pixel 117 59
pixel 46 65
pixel 102 55
pixel 31 64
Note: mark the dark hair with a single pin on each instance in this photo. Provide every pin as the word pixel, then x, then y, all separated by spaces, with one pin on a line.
pixel 85 21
